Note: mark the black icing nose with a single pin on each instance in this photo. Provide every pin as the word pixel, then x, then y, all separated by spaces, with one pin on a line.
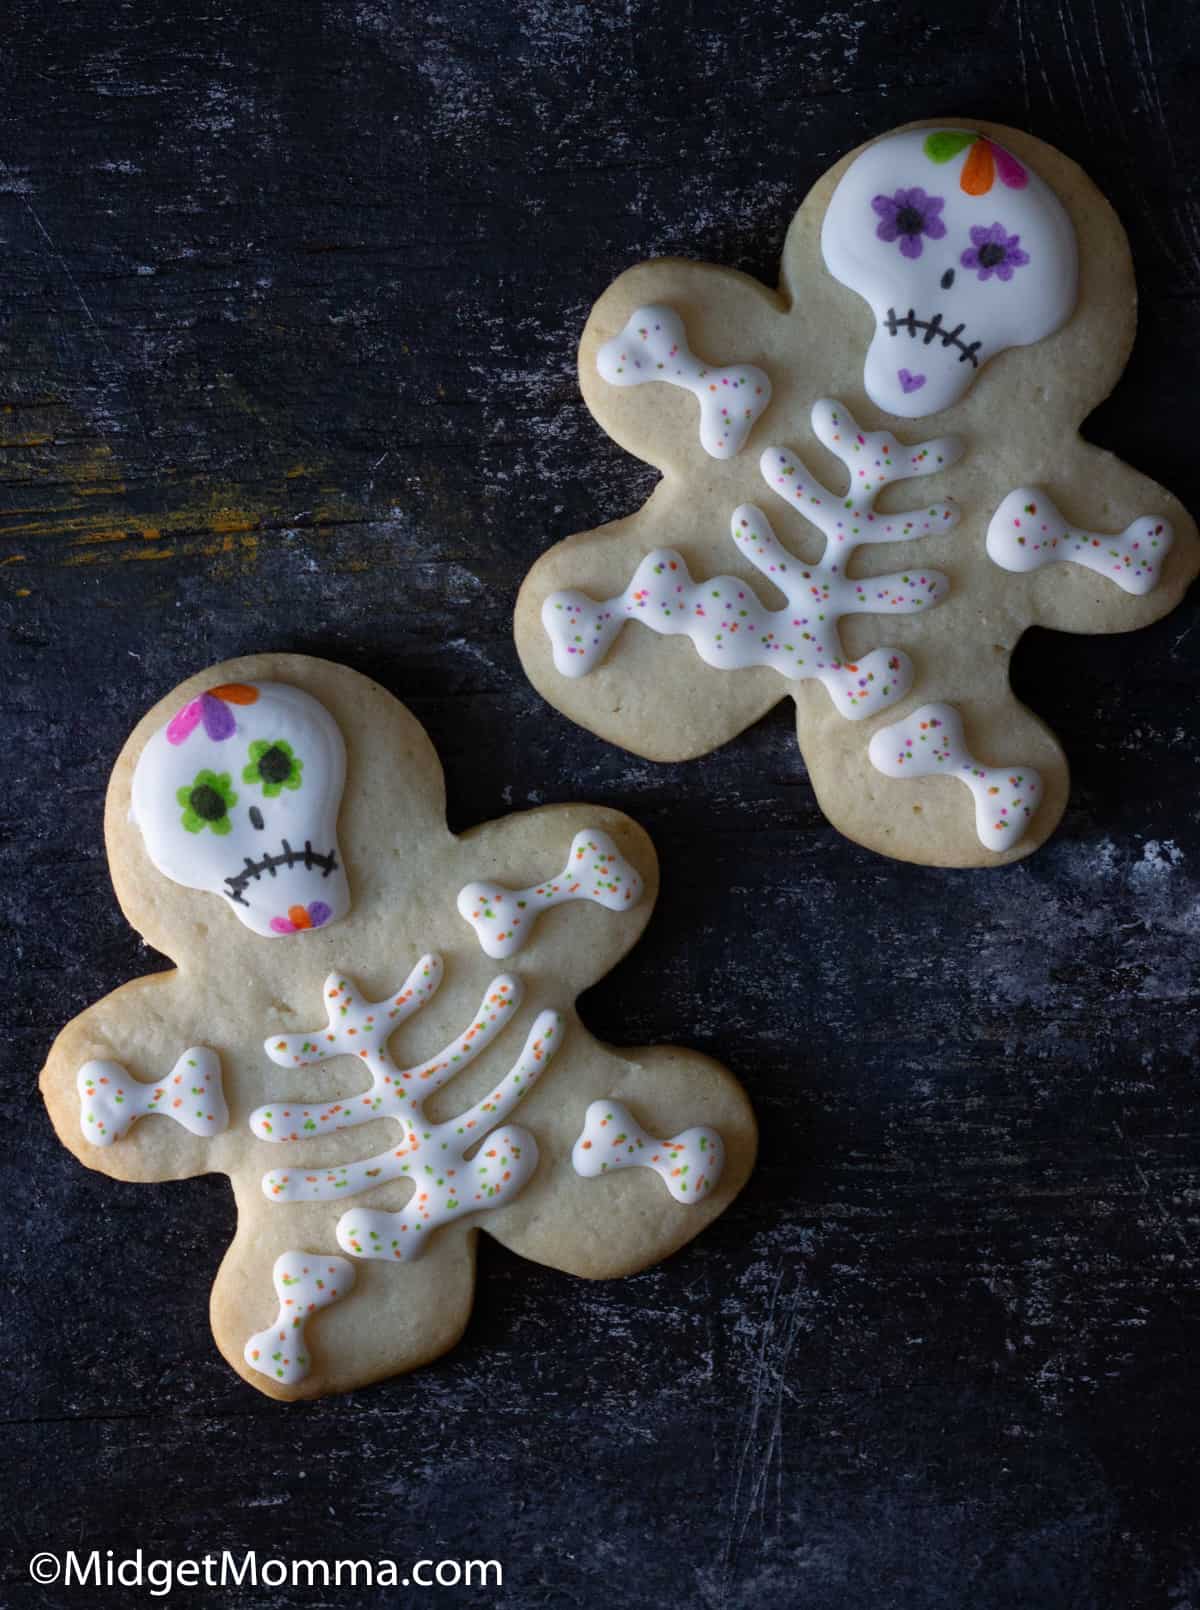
pixel 947 279
pixel 256 818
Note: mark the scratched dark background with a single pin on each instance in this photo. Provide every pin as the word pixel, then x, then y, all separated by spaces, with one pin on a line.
pixel 289 297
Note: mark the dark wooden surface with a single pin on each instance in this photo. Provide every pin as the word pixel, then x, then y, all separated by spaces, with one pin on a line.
pixel 289 298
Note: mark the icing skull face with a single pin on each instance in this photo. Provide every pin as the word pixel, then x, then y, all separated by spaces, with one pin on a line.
pixel 961 252
pixel 239 794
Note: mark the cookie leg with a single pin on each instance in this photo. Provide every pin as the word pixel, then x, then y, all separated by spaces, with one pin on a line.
pixel 296 1318
pixel 600 1220
pixel 965 783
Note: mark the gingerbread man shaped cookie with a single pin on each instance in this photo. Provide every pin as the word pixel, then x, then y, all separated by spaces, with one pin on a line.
pixel 370 1028
pixel 972 274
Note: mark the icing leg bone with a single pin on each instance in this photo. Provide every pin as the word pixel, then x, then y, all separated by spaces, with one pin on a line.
pixel 930 743
pixel 503 919
pixel 304 1283
pixel 446 1183
pixel 1027 532
pixel 653 346
pixel 689 1164
pixel 726 621
pixel 111 1099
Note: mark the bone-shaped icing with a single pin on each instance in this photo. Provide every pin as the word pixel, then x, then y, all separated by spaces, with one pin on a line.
pixel 653 346
pixel 503 1165
pixel 1027 531
pixel 446 1184
pixel 728 623
pixel 503 919
pixel 689 1164
pixel 111 1099
pixel 930 743
pixel 305 1282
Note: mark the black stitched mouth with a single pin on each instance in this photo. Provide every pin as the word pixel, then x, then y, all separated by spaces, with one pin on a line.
pixel 934 330
pixel 270 864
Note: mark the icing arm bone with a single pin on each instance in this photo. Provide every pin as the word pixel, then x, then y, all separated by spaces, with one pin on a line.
pixel 503 919
pixel 304 1283
pixel 1027 532
pixel 930 743
pixel 111 1100
pixel 653 346
pixel 689 1164
pixel 725 619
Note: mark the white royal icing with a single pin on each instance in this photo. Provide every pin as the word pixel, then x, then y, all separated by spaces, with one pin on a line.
pixel 929 743
pixel 726 620
pixel 446 1184
pixel 653 346
pixel 960 250
pixel 305 1282
pixel 1027 532
pixel 689 1164
pixel 239 794
pixel 111 1099
pixel 503 919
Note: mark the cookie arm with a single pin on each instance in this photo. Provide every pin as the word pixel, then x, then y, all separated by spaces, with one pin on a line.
pixel 135 1090
pixel 906 812
pixel 1089 560
pixel 620 1221
pixel 574 886
pixel 675 362
pixel 649 694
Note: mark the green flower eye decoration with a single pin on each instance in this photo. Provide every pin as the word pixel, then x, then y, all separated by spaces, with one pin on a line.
pixel 273 766
pixel 207 802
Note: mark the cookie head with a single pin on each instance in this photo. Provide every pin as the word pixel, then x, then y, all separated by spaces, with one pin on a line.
pixel 960 250
pixel 239 794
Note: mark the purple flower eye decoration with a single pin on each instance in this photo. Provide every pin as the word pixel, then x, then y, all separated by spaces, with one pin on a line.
pixel 994 251
pixel 908 215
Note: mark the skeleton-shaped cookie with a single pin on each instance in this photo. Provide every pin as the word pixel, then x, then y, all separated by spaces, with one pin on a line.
pixel 337 1038
pixel 969 273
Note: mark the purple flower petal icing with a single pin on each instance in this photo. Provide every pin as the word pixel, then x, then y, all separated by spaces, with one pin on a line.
pixel 218 718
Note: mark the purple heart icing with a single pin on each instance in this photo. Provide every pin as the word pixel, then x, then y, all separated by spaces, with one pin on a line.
pixel 909 381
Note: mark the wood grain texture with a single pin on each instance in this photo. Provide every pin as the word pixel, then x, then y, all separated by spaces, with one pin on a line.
pixel 289 298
